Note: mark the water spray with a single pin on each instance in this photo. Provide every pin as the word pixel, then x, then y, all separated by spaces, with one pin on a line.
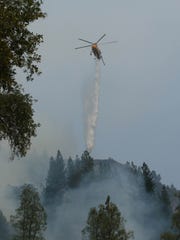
pixel 92 109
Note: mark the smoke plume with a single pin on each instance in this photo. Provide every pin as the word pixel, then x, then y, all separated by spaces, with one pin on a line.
pixel 139 209
pixel 92 108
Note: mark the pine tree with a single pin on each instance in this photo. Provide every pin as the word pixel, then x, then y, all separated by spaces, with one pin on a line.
pixel 106 222
pixel 148 179
pixel 56 180
pixel 87 163
pixel 29 221
pixel 165 202
pixel 71 174
pixel 77 176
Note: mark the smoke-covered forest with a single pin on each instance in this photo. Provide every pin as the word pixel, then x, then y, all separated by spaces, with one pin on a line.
pixel 74 186
pixel 84 197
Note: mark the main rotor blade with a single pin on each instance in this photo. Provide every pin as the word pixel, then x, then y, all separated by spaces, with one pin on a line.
pixel 103 60
pixel 101 38
pixel 83 47
pixel 85 40
pixel 108 42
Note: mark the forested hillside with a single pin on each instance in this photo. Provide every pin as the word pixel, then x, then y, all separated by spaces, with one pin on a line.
pixel 74 186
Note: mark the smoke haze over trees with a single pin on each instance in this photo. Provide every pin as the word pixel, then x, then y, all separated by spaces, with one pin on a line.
pixel 72 191
pixel 29 222
pixel 73 186
pixel 106 222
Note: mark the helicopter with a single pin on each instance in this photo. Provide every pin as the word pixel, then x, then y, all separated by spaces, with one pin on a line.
pixel 94 47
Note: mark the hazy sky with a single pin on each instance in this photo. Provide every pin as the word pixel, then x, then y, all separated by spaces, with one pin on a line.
pixel 139 111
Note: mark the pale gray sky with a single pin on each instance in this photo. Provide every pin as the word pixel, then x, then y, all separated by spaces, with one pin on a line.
pixel 139 112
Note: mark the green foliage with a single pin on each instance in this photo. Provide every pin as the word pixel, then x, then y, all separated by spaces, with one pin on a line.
pixel 165 201
pixel 169 236
pixel 4 228
pixel 79 169
pixel 105 222
pixel 30 219
pixel 87 163
pixel 16 40
pixel 18 49
pixel 76 174
pixel 16 121
pixel 148 178
pixel 56 179
pixel 73 174
pixel 176 219
pixel 175 233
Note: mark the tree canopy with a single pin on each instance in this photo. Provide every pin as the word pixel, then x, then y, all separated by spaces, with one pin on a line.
pixel 175 233
pixel 29 221
pixel 148 178
pixel 56 180
pixel 5 232
pixel 106 222
pixel 18 50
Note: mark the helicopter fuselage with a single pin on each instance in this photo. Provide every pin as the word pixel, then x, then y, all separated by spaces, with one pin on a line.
pixel 96 51
pixel 94 48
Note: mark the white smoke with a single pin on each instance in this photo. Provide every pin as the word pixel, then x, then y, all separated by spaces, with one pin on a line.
pixel 138 208
pixel 92 108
